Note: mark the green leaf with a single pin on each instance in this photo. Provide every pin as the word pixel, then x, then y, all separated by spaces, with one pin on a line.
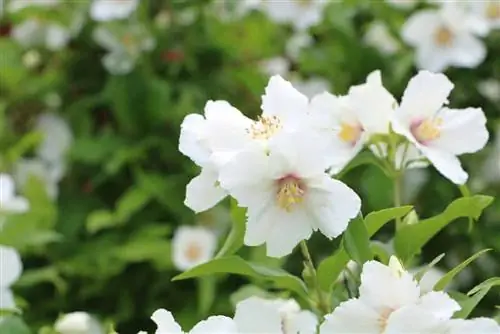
pixel 418 276
pixel 131 202
pixel 364 158
pixel 13 325
pixel 446 279
pixel 469 302
pixel 357 242
pixel 236 265
pixel 235 238
pixel 100 219
pixel 24 145
pixel 330 268
pixel 411 238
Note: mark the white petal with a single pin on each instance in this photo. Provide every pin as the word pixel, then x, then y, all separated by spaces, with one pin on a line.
pixel 193 141
pixel 7 188
pixel 215 325
pixel 192 246
pixel 57 37
pixel 6 299
pixel 203 192
pixel 439 304
pixel 456 123
pixel 257 228
pixel 106 10
pixel 413 318
pixel 424 96
pixel 468 51
pixel 383 289
pixel 118 63
pixel 58 137
pixel 477 325
pixel 283 100
pixel 10 266
pixel 420 27
pixel 287 230
pixel 446 163
pixel 353 317
pixel 333 204
pixel 166 322
pixel 254 315
pixel 431 58
pixel 305 323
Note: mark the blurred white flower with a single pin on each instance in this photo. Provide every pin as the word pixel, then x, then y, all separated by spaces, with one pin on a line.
pixel 485 14
pixel 32 59
pixel 107 10
pixel 11 268
pixel 124 46
pixel 403 4
pixel 490 89
pixel 38 33
pixel 312 86
pixel 9 202
pixel 287 189
pixel 444 37
pixel 379 37
pixel 78 323
pixel 438 132
pixel 413 180
pixel 192 246
pixel 57 138
pixel 429 279
pixel 347 122
pixel 390 301
pixel 16 5
pixel 297 43
pixel 275 66
pixel 44 172
pixel 301 14
pixel 490 171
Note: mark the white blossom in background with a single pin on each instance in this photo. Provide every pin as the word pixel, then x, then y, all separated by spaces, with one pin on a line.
pixel 379 37
pixel 31 59
pixel 275 66
pixel 78 323
pixel 312 86
pixel 298 42
pixel 403 4
pixel 287 189
pixel 11 268
pixel 390 301
pixel 57 138
pixel 430 278
pixel 347 122
pixel 490 89
pixel 445 37
pixel 125 45
pixel 16 5
pixel 192 246
pixel 108 10
pixel 413 181
pixel 485 13
pixel 437 131
pixel 9 201
pixel 46 173
pixel 36 33
pixel 490 171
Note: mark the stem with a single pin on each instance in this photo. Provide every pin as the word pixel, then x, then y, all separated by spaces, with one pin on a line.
pixel 397 197
pixel 308 263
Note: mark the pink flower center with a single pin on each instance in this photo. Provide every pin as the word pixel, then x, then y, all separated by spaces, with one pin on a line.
pixel 290 192
pixel 427 129
pixel 350 133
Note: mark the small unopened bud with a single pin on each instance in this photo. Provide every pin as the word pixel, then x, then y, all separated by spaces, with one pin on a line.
pixel 78 323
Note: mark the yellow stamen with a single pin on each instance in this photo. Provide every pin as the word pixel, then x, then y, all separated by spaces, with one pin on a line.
pixel 443 36
pixel 265 127
pixel 290 193
pixel 349 133
pixel 493 11
pixel 193 252
pixel 428 129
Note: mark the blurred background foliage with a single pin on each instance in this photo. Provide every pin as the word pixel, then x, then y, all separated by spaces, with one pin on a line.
pixel 104 245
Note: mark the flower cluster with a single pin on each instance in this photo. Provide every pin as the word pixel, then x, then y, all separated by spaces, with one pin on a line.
pixel 278 166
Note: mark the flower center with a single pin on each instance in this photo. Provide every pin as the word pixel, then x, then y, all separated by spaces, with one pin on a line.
pixel 382 320
pixel 427 130
pixel 193 252
pixel 128 40
pixel 304 3
pixel 290 193
pixel 265 127
pixel 493 11
pixel 443 36
pixel 350 133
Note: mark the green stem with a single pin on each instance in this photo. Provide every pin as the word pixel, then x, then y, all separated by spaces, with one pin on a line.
pixel 322 302
pixel 397 197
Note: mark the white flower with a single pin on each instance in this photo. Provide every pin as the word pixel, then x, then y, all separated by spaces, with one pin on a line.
pixel 192 246
pixel 124 45
pixel 429 279
pixel 10 271
pixel 379 37
pixel 9 202
pixel 490 89
pixel 78 323
pixel 297 43
pixel 57 137
pixel 477 325
pixel 286 189
pixel 444 37
pixel 36 33
pixel 31 59
pixel 390 302
pixel 301 14
pixel 107 10
pixel 438 132
pixel 403 4
pixel 486 14
pixel 16 5
pixel 490 171
pixel 347 122
pixel 312 86
pixel 26 168
pixel 213 325
pixel 275 66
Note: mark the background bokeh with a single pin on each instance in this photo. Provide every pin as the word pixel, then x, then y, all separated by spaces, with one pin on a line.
pixel 103 245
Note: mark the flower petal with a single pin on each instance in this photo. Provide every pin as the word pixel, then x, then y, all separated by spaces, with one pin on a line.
pixel 446 163
pixel 420 27
pixel 11 266
pixel 192 141
pixel 215 325
pixel 439 304
pixel 468 51
pixel 254 315
pixel 166 322
pixel 413 317
pixel 203 192
pixel 477 325
pixel 353 317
